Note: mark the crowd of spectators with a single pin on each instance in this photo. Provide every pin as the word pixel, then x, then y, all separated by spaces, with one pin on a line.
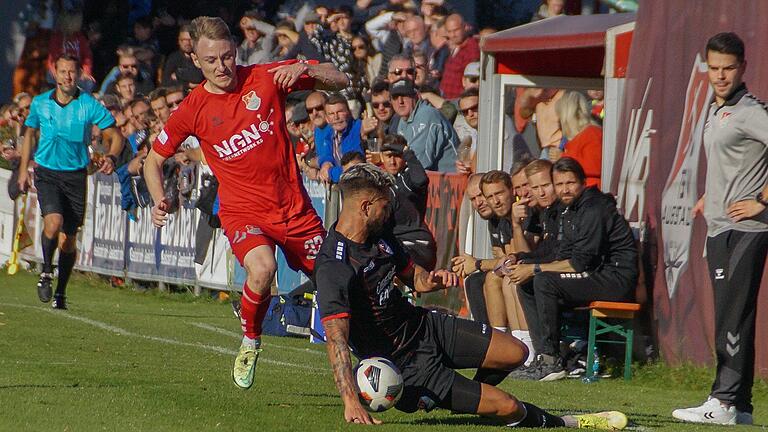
pixel 412 105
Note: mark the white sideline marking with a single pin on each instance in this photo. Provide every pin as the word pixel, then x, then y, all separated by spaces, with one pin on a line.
pixel 124 332
pixel 239 336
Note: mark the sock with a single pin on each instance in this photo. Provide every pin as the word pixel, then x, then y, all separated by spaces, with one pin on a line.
pixel 492 377
pixel 536 417
pixel 253 309
pixel 66 263
pixel 49 248
pixel 501 329
pixel 251 342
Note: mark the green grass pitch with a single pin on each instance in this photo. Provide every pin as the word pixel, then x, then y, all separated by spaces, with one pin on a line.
pixel 122 360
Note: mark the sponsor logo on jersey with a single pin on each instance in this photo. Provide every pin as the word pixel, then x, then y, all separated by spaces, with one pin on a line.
pixel 384 248
pixel 163 137
pixel 253 230
pixel 252 101
pixel 340 250
pixel 239 143
pixel 371 265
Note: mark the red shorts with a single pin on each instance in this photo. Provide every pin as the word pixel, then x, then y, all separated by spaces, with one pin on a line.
pixel 299 238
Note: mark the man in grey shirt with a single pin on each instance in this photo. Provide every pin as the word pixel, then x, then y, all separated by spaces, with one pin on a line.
pixel 258 40
pixel 734 205
pixel 430 136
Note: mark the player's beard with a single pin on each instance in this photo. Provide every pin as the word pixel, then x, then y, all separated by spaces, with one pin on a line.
pixel 376 228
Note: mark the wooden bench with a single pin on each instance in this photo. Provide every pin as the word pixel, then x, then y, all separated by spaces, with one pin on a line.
pixel 624 313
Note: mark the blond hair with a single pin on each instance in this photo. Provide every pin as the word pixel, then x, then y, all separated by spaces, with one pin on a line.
pixel 537 166
pixel 213 28
pixel 573 111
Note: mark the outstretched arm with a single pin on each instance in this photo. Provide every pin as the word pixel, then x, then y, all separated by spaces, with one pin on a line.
pixel 326 76
pixel 337 337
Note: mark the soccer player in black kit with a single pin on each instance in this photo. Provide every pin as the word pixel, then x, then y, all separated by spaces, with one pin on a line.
pixel 361 309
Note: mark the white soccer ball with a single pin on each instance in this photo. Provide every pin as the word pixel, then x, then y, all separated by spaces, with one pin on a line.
pixel 379 383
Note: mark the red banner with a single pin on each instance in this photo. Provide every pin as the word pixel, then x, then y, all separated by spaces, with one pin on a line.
pixel 660 166
pixel 445 194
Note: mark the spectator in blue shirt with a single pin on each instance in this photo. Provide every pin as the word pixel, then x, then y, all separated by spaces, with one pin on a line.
pixel 344 138
pixel 64 117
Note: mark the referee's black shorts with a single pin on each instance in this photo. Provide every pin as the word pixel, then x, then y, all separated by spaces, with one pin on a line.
pixel 448 343
pixel 62 192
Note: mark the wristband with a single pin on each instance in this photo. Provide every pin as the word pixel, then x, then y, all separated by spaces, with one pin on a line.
pixel 113 158
pixel 536 269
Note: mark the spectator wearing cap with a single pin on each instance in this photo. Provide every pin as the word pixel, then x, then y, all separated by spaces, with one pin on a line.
pixel 464 50
pixel 430 136
pixel 344 138
pixel 410 203
pixel 258 42
pixel 450 107
pixel 179 59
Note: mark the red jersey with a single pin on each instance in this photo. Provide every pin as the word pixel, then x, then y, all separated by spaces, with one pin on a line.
pixel 245 142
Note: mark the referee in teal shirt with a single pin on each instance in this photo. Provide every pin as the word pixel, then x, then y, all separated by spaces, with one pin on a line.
pixel 64 118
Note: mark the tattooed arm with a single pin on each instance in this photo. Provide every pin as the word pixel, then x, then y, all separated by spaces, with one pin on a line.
pixel 327 77
pixel 337 337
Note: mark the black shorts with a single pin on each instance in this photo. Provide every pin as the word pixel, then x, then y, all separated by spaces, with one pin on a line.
pixel 62 192
pixel 448 343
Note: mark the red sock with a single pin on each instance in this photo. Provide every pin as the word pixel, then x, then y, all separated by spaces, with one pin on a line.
pixel 253 309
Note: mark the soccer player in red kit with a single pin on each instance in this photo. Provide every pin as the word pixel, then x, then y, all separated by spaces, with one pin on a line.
pixel 237 114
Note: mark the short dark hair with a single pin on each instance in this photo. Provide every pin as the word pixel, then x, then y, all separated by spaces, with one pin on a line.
pixel 365 177
pixel 520 164
pixel 727 43
pixel 568 164
pixel 496 176
pixel 336 99
pixel 379 87
pixel 471 92
pixel 139 100
pixel 351 157
pixel 68 57
pixel 185 28
pixel 157 93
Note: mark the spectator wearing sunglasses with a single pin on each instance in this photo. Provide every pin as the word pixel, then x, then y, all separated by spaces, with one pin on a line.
pixel 128 64
pixel 382 122
pixel 367 62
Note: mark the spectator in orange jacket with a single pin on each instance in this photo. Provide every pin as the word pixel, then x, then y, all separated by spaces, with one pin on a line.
pixel 585 139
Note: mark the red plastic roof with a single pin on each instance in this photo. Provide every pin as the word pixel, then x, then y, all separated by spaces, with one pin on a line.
pixel 557 33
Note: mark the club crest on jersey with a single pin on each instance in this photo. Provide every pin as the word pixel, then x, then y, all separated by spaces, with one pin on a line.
pixel 252 100
pixel 384 247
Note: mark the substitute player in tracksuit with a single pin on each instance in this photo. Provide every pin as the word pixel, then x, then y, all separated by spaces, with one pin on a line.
pixel 362 309
pixel 238 115
pixel 734 205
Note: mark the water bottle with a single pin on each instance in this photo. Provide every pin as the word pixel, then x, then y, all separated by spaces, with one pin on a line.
pixel 595 369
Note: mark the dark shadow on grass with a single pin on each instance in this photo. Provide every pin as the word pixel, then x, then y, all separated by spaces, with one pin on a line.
pixel 54 386
pixel 169 315
pixel 452 420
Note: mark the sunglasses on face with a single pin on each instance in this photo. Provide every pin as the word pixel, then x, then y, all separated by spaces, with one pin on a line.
pixel 379 105
pixel 129 66
pixel 473 80
pixel 172 104
pixel 408 71
pixel 318 108
pixel 358 47
pixel 466 110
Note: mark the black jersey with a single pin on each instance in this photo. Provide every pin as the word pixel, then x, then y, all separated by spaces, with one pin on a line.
pixel 410 203
pixel 355 281
pixel 550 229
pixel 500 230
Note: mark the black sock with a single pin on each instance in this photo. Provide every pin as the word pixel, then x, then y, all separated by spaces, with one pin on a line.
pixel 492 377
pixel 538 418
pixel 66 263
pixel 49 248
